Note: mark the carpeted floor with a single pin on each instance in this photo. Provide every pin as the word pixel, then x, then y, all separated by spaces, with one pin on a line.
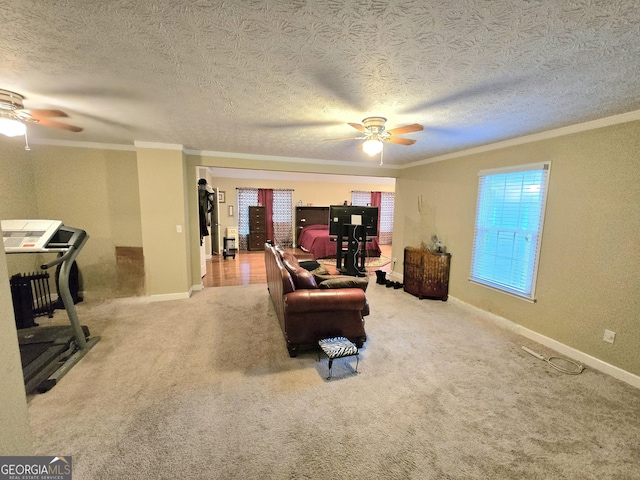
pixel 204 389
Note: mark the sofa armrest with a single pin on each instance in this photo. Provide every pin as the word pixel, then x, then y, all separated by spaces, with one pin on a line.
pixel 302 301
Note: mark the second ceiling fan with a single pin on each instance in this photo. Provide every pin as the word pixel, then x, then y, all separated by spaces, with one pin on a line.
pixel 375 134
pixel 12 109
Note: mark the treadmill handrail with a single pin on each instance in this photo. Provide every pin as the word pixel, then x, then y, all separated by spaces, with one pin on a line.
pixel 61 258
pixel 77 238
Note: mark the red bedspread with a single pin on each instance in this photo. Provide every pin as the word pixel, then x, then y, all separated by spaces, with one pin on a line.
pixel 316 240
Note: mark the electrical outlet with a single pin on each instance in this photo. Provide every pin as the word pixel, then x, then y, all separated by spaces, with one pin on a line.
pixel 394 260
pixel 609 336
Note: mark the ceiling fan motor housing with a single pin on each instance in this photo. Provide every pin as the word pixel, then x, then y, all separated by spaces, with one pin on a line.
pixel 10 100
pixel 374 124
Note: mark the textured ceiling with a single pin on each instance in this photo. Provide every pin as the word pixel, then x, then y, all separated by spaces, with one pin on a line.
pixel 277 77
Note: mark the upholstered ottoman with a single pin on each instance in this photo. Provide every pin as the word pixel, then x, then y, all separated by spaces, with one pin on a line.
pixel 338 347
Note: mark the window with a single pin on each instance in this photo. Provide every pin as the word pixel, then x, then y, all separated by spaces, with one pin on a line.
pixel 385 202
pixel 246 197
pixel 281 206
pixel 509 219
pixel 283 217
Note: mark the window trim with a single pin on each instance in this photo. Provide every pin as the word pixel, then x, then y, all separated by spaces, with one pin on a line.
pixel 534 274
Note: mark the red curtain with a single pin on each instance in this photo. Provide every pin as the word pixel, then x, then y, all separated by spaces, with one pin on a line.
pixel 265 198
pixel 376 201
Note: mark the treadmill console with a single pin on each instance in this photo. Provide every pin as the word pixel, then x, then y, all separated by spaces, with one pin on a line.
pixel 28 236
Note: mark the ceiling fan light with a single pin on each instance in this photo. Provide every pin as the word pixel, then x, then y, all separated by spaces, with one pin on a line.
pixel 372 147
pixel 12 128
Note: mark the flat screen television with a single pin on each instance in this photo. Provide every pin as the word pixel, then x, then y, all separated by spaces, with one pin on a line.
pixel 352 215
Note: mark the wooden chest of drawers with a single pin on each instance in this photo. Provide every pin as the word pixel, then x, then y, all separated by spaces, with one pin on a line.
pixel 257 228
pixel 426 274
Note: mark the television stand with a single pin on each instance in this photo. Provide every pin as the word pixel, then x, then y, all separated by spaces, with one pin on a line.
pixel 354 256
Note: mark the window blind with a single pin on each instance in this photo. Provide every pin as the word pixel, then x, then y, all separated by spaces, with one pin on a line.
pixel 508 230
pixel 387 205
pixel 282 215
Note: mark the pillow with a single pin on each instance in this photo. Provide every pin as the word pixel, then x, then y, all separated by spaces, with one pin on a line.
pixel 321 270
pixel 309 264
pixel 320 274
pixel 346 281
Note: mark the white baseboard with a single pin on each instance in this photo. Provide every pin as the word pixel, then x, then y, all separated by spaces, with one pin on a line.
pixel 171 296
pixel 577 355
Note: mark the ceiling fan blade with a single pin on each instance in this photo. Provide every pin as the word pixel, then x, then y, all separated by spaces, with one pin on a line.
pixel 414 127
pixel 340 139
pixel 54 124
pixel 401 141
pixel 36 113
pixel 358 127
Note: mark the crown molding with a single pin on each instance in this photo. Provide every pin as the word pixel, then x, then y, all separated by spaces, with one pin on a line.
pixel 159 146
pixel 98 146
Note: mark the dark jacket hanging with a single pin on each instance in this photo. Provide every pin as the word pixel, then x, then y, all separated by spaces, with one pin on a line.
pixel 205 207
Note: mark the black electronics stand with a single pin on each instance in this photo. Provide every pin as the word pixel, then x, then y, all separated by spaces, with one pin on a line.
pixel 355 252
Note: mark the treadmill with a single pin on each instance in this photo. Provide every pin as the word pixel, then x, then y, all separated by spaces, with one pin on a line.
pixel 49 352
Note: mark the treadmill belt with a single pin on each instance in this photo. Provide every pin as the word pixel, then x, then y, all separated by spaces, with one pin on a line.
pixel 42 349
pixel 57 334
pixel 28 353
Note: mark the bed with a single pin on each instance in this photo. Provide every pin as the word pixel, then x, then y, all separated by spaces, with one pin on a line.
pixel 312 234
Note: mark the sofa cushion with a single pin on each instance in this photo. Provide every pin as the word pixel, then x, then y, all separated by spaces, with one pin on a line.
pixel 345 281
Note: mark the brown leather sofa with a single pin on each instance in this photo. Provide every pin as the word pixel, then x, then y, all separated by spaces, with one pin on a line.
pixel 309 312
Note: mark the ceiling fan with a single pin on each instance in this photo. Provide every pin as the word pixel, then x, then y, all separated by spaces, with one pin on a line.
pixel 375 134
pixel 14 117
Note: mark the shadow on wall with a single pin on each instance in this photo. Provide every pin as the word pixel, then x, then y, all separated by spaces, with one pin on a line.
pixel 424 227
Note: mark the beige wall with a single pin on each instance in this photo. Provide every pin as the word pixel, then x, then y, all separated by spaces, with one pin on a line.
pixel 165 226
pixel 95 190
pixel 588 278
pixel 89 188
pixel 17 194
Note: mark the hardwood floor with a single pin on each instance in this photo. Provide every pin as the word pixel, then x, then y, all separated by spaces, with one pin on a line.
pixel 248 267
